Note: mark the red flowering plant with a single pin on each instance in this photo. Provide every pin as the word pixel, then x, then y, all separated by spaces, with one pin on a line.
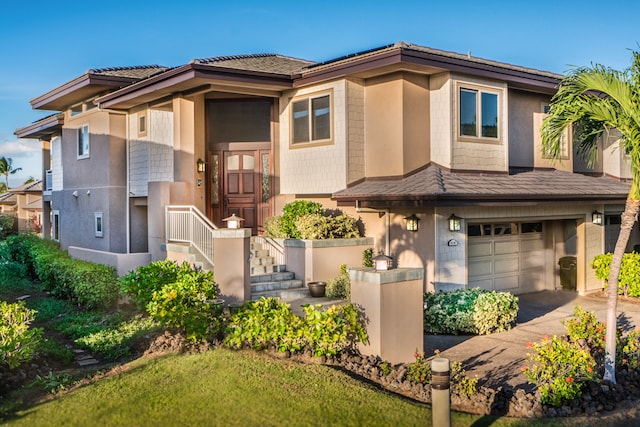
pixel 559 369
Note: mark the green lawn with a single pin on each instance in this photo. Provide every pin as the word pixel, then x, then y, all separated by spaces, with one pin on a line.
pixel 227 388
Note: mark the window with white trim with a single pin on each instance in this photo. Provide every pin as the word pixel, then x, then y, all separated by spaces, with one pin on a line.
pixel 478 114
pixel 83 142
pixel 311 119
pixel 142 124
pixel 99 224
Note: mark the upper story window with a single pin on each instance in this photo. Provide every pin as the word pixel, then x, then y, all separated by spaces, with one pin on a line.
pixel 81 108
pixel 83 142
pixel 311 119
pixel 142 124
pixel 479 114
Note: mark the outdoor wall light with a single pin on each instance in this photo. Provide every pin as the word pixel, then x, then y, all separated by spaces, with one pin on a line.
pixel 454 223
pixel 412 222
pixel 233 221
pixel 200 165
pixel 596 217
pixel 382 262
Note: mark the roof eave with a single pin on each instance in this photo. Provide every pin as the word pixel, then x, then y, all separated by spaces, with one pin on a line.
pixel 43 128
pixel 125 97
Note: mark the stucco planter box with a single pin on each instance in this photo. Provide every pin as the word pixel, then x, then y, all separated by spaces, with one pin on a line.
pixel 320 260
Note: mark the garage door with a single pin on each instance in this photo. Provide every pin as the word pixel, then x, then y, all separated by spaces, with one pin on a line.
pixel 506 257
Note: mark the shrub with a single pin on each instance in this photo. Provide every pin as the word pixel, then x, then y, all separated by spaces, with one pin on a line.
pixel 339 286
pixel 629 350
pixel 269 322
pixel 629 277
pixel 559 369
pixel 273 227
pixel 367 258
pixel 8 225
pixel 419 371
pixel 585 325
pixel 469 311
pixel 17 340
pixel 141 283
pixel 188 303
pixel 294 210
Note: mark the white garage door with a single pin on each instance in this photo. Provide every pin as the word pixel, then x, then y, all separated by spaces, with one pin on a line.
pixel 506 257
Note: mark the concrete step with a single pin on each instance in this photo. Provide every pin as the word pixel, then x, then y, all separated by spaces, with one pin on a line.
pixel 260 253
pixel 273 277
pixel 276 286
pixel 261 270
pixel 267 260
pixel 284 294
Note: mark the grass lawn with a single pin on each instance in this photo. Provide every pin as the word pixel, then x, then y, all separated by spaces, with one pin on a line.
pixel 227 388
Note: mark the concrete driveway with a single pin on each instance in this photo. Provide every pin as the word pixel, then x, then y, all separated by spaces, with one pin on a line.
pixel 497 359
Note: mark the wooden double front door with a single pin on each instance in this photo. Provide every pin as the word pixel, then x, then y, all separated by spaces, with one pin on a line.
pixel 240 183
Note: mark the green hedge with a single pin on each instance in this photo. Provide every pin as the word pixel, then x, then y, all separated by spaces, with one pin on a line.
pixel 93 286
pixel 18 341
pixel 469 311
pixel 629 277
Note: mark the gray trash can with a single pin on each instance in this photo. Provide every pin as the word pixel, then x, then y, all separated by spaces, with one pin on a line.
pixel 568 272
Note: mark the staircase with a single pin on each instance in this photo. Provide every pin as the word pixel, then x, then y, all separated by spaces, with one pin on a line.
pixel 269 279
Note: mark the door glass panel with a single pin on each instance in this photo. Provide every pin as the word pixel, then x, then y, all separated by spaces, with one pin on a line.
pixel 233 162
pixel 265 177
pixel 215 181
pixel 247 162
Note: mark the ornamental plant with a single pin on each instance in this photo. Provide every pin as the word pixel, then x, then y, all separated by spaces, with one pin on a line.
pixel 17 340
pixel 339 286
pixel 419 371
pixel 338 328
pixel 629 277
pixel 469 311
pixel 559 370
pixel 584 325
pixel 141 283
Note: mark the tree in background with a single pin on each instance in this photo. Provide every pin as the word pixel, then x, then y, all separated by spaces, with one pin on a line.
pixel 6 169
pixel 593 101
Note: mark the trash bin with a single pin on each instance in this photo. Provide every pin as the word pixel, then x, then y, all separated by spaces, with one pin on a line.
pixel 568 272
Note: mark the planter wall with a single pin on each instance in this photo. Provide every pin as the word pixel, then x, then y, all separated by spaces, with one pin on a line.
pixel 320 260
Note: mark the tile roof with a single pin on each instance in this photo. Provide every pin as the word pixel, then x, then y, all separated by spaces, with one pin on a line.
pixel 8 199
pixel 135 72
pixel 263 62
pixel 31 187
pixel 436 184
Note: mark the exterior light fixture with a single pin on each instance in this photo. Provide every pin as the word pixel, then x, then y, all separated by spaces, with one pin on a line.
pixel 382 262
pixel 412 222
pixel 596 217
pixel 200 165
pixel 233 221
pixel 454 223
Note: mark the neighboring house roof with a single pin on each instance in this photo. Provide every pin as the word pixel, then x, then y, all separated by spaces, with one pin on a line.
pixel 263 62
pixel 93 83
pixel 436 186
pixel 36 205
pixel 31 187
pixel 43 128
pixel 8 199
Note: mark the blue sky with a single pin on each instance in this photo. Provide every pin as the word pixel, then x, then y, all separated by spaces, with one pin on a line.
pixel 44 44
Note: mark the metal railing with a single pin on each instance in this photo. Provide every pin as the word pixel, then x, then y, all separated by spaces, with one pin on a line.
pixel 274 246
pixel 186 224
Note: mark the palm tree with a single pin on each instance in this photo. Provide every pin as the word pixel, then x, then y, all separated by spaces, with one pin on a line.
pixel 593 101
pixel 6 169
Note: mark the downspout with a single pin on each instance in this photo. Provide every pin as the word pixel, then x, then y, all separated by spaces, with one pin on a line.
pixel 128 190
pixel 387 223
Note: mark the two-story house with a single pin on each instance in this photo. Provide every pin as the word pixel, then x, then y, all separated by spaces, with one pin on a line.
pixel 391 135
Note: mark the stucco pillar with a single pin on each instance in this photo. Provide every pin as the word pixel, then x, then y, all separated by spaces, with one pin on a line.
pixel 393 306
pixel 231 249
pixel 46 199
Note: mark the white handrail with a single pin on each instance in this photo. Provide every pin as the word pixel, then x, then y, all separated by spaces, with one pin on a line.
pixel 187 224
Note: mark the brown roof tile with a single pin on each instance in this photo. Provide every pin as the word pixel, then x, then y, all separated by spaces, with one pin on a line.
pixel 264 62
pixel 135 72
pixel 438 185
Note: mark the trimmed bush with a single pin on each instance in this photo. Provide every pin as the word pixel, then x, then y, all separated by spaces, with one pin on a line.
pixel 629 277
pixel 339 286
pixel 17 340
pixel 141 283
pixel 469 311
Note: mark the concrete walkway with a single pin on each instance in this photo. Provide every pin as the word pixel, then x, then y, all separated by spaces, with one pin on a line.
pixel 497 359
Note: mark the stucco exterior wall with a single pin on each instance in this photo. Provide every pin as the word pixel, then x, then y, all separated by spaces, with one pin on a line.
pixel 523 129
pixel 314 169
pixel 56 164
pixel 614 160
pixel 355 130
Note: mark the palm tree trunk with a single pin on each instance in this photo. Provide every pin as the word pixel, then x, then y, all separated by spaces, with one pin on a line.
pixel 629 217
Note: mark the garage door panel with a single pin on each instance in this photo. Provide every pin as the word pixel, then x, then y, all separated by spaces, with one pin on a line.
pixel 531 260
pixel 509 247
pixel 530 245
pixel 480 267
pixel 508 283
pixel 506 264
pixel 480 249
pixel 486 284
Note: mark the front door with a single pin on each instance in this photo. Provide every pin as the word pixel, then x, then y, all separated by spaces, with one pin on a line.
pixel 241 188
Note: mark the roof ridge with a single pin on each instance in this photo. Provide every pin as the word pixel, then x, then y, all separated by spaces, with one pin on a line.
pixel 223 58
pixel 125 68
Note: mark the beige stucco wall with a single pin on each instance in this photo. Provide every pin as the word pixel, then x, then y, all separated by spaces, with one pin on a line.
pixel 355 130
pixel 397 124
pixel 523 107
pixel 564 162
pixel 314 168
pixel 441 118
pixel 614 160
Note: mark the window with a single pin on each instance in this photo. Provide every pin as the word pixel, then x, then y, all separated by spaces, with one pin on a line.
pixel 76 109
pixel 55 226
pixel 478 114
pixel 311 119
pixel 99 226
pixel 142 124
pixel 83 142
